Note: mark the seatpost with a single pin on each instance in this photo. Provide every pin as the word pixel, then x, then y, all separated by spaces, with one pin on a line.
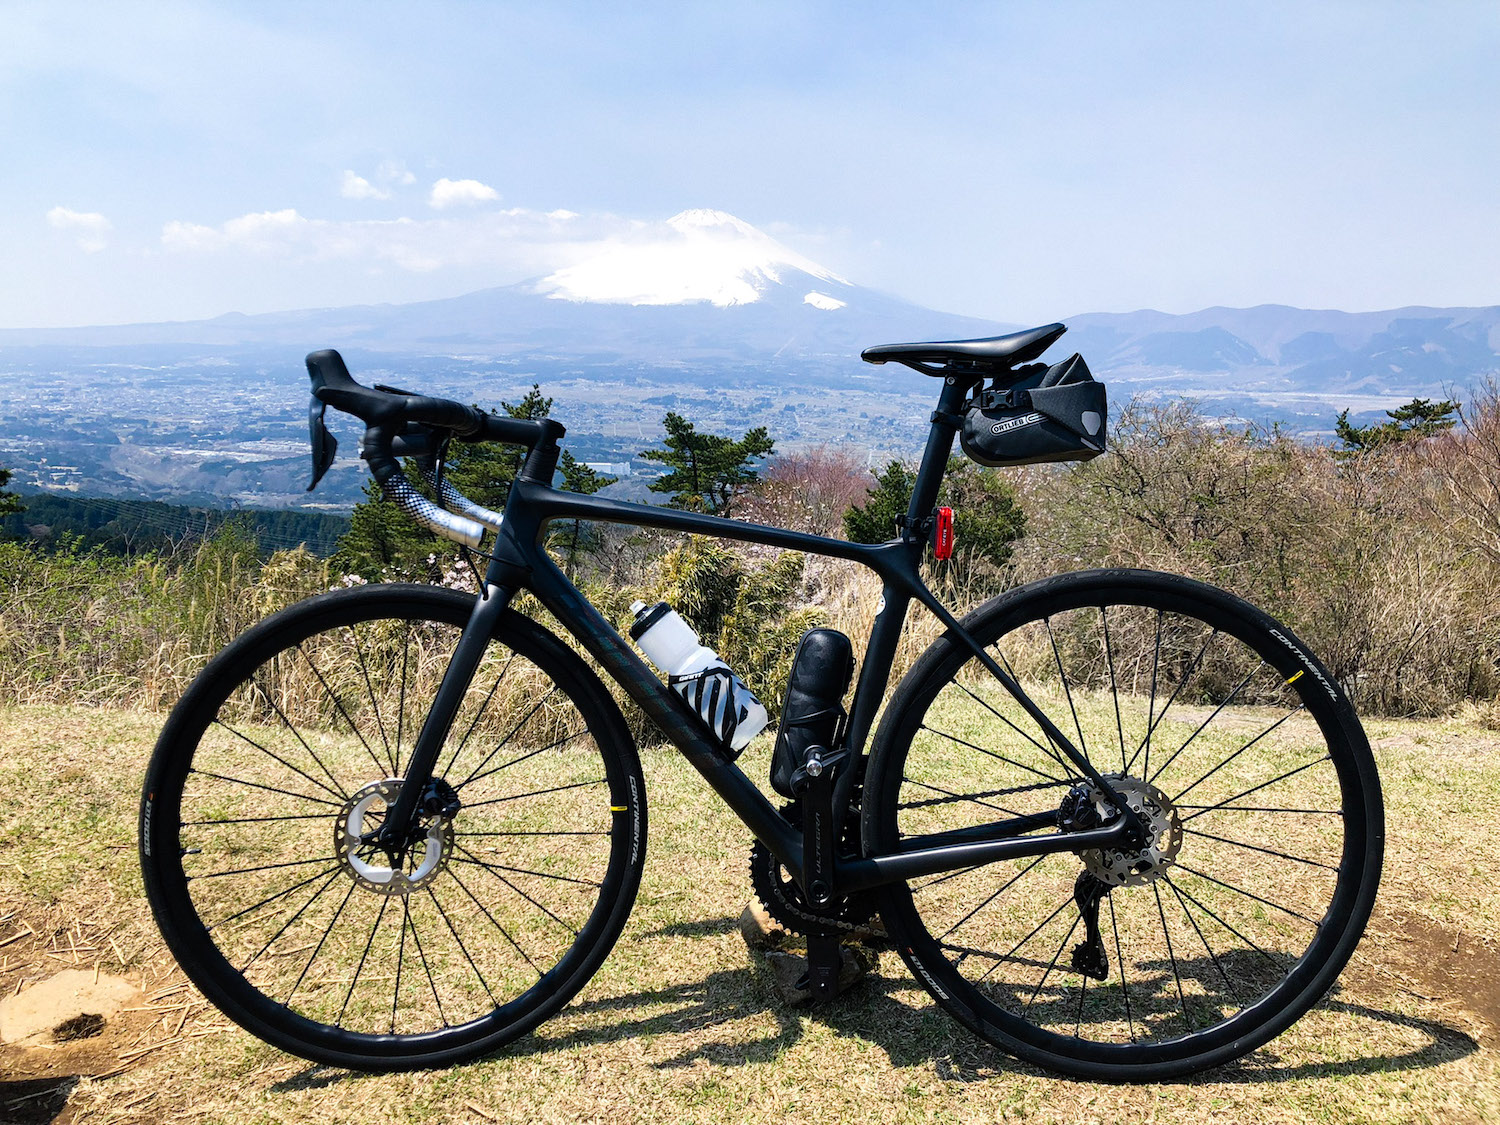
pixel 934 464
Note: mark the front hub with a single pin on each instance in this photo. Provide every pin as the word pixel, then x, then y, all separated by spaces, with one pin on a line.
pixel 376 868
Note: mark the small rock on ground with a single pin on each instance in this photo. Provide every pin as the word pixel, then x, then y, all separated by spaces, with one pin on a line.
pixel 787 969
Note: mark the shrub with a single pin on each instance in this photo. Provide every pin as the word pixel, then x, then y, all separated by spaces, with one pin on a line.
pixel 1357 554
pixel 987 517
pixel 809 491
pixel 89 627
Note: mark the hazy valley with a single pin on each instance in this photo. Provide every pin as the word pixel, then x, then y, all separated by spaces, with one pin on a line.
pixel 724 325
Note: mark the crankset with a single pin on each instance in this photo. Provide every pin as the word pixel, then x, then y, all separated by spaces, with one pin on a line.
pixel 785 900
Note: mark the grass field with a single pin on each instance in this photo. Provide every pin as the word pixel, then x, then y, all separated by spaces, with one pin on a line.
pixel 682 1023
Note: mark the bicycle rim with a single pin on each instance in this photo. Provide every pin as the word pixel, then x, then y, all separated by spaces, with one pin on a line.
pixel 1233 744
pixel 289 748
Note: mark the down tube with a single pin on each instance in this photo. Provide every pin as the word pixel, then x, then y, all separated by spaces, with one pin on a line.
pixel 676 719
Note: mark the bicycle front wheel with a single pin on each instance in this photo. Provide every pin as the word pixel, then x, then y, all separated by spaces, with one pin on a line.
pixel 279 764
pixel 1241 756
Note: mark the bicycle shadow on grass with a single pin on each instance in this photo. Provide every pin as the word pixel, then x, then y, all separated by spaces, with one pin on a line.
pixel 874 1012
pixel 926 1035
pixel 721 999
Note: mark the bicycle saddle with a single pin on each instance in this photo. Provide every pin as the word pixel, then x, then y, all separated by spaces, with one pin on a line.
pixel 990 352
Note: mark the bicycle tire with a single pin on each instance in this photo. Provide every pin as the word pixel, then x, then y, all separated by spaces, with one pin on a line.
pixel 1295 842
pixel 282 752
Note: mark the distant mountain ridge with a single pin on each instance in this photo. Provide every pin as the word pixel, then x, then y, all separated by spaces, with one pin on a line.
pixel 706 292
pixel 1416 349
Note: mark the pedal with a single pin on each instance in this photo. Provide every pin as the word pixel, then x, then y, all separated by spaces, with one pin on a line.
pixel 824 960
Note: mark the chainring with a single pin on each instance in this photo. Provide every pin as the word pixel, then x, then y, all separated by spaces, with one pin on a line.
pixel 784 899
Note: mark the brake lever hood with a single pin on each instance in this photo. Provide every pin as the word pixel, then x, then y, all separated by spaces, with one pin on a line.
pixel 324 444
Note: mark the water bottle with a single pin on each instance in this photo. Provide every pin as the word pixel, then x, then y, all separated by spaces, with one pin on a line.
pixel 696 673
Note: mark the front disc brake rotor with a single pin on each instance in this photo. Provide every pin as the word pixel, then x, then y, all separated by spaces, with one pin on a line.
pixel 370 865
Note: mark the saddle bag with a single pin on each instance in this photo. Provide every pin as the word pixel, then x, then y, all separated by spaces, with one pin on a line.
pixel 813 711
pixel 1055 413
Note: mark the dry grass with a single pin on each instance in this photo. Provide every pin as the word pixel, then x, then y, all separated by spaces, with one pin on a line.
pixel 682 1025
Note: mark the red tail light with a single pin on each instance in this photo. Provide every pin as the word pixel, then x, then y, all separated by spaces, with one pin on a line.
pixel 942 535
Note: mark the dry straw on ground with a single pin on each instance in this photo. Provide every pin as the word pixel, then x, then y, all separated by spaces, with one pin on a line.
pixel 682 1023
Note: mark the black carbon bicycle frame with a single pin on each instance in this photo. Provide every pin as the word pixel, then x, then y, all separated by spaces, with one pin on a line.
pixel 520 562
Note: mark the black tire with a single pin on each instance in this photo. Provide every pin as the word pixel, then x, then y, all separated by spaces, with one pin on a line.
pixel 1215 943
pixel 272 764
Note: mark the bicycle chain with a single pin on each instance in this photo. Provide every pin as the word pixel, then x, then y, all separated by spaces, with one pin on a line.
pixel 977 796
pixel 783 899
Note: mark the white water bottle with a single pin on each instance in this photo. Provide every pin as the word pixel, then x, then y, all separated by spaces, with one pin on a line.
pixel 696 673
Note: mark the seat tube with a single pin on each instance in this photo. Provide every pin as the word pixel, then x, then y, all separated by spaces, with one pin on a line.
pixel 875 673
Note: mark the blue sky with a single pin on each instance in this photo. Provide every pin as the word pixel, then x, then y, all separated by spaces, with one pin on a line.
pixel 1019 161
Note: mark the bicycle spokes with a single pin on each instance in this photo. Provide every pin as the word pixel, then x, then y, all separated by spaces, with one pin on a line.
pixel 1233 778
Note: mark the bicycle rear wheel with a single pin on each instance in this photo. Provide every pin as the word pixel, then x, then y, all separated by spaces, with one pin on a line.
pixel 1234 745
pixel 289 748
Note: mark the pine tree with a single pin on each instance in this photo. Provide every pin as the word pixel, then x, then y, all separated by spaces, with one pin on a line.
pixel 485 472
pixel 9 501
pixel 709 472
pixel 874 521
pixel 987 518
pixel 382 538
pixel 1419 418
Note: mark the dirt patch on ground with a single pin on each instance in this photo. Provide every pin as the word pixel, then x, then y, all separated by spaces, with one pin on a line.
pixel 80 1000
pixel 1438 964
pixel 69 1005
pixel 1464 745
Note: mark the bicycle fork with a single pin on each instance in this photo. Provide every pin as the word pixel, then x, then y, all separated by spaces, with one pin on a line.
pixel 418 790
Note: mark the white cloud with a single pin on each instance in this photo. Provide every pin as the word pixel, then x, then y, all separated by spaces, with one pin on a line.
pixel 262 232
pixel 178 235
pixel 453 193
pixel 357 187
pixel 394 172
pixel 515 239
pixel 88 227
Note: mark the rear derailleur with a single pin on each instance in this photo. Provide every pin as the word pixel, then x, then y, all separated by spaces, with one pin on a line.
pixel 1080 812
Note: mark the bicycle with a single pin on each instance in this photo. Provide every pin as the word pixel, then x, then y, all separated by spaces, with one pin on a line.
pixel 399 826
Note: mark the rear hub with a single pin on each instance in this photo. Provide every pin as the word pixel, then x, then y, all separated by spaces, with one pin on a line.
pixel 1086 807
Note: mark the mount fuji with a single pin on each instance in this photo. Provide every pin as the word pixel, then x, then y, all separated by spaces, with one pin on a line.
pixel 710 288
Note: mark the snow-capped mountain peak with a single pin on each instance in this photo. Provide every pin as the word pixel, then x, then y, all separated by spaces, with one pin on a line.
pixel 707 219
pixel 696 256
